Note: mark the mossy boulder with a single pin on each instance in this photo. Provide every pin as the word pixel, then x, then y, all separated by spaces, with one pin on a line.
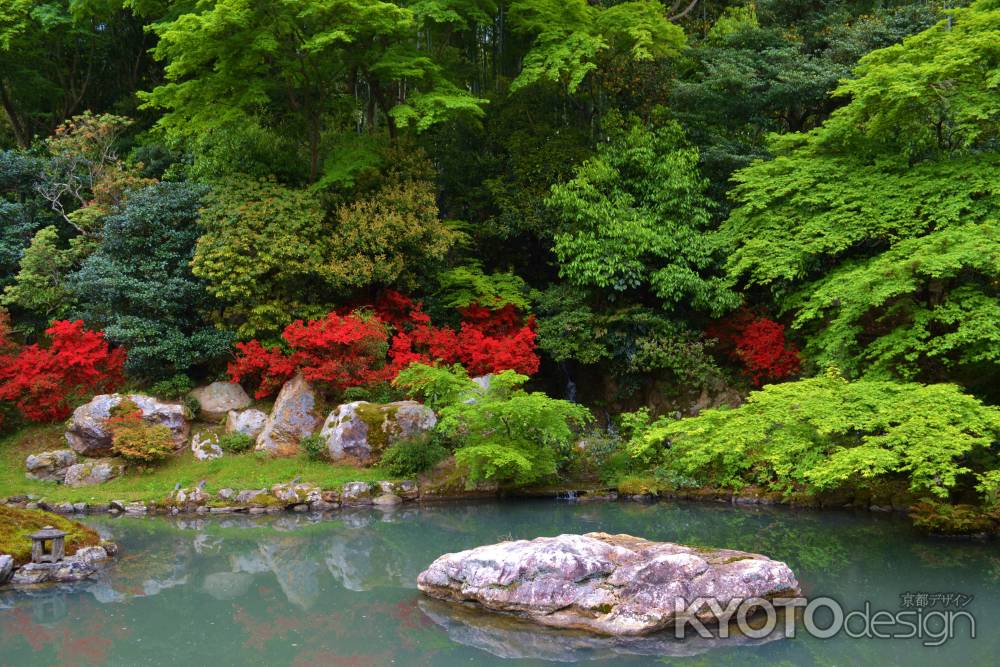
pixel 361 431
pixel 294 416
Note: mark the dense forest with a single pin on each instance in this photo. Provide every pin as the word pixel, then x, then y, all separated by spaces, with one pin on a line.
pixel 656 210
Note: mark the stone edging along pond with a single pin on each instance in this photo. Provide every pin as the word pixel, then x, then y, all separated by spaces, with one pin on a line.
pixel 307 497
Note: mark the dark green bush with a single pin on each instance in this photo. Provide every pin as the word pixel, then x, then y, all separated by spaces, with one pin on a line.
pixel 236 443
pixel 173 387
pixel 409 457
pixel 314 447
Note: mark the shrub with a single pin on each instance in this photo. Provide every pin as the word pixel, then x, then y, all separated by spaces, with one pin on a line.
pixel 46 382
pixel 174 387
pixel 134 439
pixel 355 350
pixel 412 456
pixel 502 433
pixel 236 442
pixel 828 433
pixel 314 447
pixel 758 344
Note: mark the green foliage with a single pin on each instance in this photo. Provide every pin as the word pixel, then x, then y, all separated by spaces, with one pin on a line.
pixel 236 442
pixel 877 230
pixel 466 285
pixel 297 66
pixel 571 37
pixel 630 340
pixel 635 216
pixel 135 439
pixel 138 285
pixel 412 456
pixel 39 287
pixel 828 433
pixel 173 387
pixel 263 254
pixel 388 237
pixel 314 447
pixel 501 433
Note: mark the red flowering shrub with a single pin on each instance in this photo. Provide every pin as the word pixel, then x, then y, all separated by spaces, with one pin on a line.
pixel 759 344
pixel 45 382
pixel 352 350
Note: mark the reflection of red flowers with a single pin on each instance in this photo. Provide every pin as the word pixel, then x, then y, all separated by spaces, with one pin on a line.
pixel 44 382
pixel 356 349
pixel 759 344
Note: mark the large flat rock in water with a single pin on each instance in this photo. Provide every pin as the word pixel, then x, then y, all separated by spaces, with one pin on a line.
pixel 609 584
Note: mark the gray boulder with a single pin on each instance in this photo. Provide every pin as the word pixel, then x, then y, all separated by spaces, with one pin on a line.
pixel 248 422
pixel 293 417
pixel 608 584
pixel 92 472
pixel 6 568
pixel 50 466
pixel 217 399
pixel 361 431
pixel 88 433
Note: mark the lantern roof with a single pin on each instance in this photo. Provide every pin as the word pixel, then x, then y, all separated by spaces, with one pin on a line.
pixel 48 533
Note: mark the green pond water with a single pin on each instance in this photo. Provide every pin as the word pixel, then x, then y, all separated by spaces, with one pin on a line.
pixel 340 590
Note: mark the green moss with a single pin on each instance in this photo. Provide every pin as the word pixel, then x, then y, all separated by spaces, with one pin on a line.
pixel 16 525
pixel 380 420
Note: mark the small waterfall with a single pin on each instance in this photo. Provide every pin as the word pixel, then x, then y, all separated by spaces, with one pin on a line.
pixel 570 385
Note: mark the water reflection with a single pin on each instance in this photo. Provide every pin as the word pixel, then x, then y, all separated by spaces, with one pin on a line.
pixel 303 589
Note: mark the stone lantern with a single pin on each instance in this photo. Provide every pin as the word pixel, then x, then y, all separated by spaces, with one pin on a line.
pixel 57 545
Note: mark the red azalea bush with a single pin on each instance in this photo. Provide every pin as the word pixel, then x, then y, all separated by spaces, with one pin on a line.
pixel 363 348
pixel 759 344
pixel 45 382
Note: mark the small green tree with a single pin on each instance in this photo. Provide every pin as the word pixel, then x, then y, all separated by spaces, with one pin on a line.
pixel 40 286
pixel 501 432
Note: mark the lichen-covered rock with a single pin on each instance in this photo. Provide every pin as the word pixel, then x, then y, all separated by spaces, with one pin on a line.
pixel 248 422
pixel 356 493
pixel 50 466
pixel 217 399
pixel 92 472
pixel 387 500
pixel 293 417
pixel 361 431
pixel 247 496
pixel 205 447
pixel 88 433
pixel 609 584
pixel 294 494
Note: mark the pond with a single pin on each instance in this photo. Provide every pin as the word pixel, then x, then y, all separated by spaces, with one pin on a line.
pixel 340 590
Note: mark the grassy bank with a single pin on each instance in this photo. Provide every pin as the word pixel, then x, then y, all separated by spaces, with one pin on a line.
pixel 235 471
pixel 17 525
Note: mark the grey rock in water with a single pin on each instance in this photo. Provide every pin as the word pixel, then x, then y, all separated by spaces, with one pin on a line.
pixel 248 422
pixel 92 472
pixel 50 466
pixel 217 399
pixel 357 493
pixel 293 417
pixel 88 434
pixel 361 431
pixel 608 584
